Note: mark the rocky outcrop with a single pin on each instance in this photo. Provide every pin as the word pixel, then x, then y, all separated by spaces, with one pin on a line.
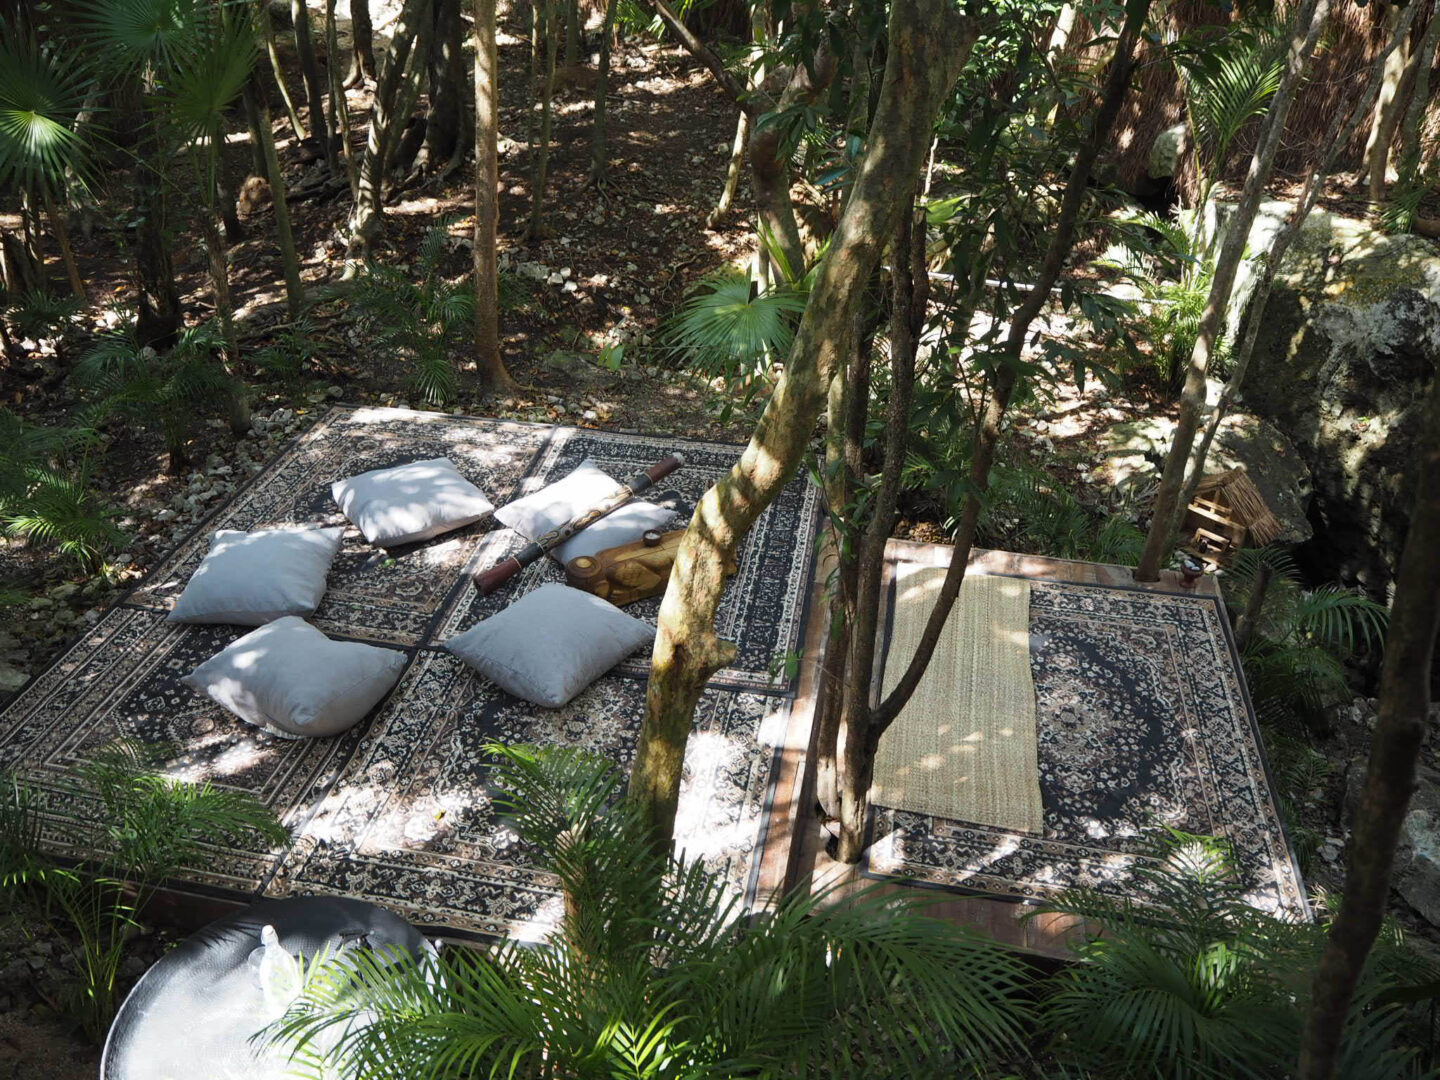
pixel 1133 452
pixel 1347 348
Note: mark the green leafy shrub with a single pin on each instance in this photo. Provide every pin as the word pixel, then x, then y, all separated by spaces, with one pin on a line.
pixel 165 391
pixel 419 315
pixel 156 825
pixel 45 491
pixel 653 973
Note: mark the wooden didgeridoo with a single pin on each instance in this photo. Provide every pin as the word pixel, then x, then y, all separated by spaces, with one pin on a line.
pixel 487 581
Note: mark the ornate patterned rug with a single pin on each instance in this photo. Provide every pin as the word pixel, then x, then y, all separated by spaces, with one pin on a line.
pixel 397 810
pixel 1143 722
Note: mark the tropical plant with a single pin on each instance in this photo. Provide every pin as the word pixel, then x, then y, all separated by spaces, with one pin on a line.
pixel 45 492
pixel 44 147
pixel 1294 650
pixel 39 314
pixel 730 328
pixel 155 825
pixel 420 315
pixel 167 391
pixel 655 971
pixel 292 350
pixel 1184 978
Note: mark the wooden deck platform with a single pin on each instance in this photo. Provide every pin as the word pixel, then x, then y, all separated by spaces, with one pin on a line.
pixel 795 855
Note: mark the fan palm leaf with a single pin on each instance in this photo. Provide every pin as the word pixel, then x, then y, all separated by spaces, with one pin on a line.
pixel 42 96
pixel 729 327
pixel 135 34
pixel 207 80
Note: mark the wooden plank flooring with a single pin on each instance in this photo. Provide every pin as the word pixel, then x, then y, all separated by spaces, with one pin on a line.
pixel 795 855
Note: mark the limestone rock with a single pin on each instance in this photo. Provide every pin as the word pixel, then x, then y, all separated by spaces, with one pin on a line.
pixel 1165 152
pixel 1134 452
pixel 1417 861
pixel 1346 350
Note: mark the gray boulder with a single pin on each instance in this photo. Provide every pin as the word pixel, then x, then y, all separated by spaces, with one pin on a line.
pixel 1345 353
pixel 1134 452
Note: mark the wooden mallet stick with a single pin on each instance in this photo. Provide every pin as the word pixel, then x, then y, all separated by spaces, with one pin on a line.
pixel 487 581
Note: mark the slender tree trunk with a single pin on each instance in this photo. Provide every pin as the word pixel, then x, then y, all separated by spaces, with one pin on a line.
pixel 294 288
pixel 1390 775
pixel 1310 17
pixel 929 43
pixel 314 88
pixel 158 315
pixel 488 360
pixel 910 290
pixel 277 66
pixel 599 152
pixel 541 145
pixel 362 56
pixel 366 219
pixel 339 107
pixel 444 119
pixel 732 171
pixel 1387 110
pixel 1341 131
pixel 257 152
pixel 62 240
pixel 572 33
pixel 864 726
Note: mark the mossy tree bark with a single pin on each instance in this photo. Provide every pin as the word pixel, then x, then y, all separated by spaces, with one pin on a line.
pixel 1309 18
pixel 488 361
pixel 929 43
pixel 1390 774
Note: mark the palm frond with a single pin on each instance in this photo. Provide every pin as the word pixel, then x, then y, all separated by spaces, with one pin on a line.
pixel 200 89
pixel 729 327
pixel 1340 617
pixel 131 34
pixel 42 96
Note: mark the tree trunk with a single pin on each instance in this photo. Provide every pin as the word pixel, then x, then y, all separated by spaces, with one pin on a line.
pixel 1390 775
pixel 1310 17
pixel 732 171
pixel 157 319
pixel 445 118
pixel 294 288
pixel 910 290
pixel 572 33
pixel 314 88
pixel 488 361
pixel 864 726
pixel 362 56
pixel 1341 131
pixel 277 66
pixel 19 272
pixel 339 107
pixel 366 219
pixel 220 285
pixel 540 145
pixel 929 43
pixel 1387 109
pixel 599 154
pixel 56 217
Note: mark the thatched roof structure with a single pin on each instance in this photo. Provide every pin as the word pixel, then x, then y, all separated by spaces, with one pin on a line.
pixel 1235 490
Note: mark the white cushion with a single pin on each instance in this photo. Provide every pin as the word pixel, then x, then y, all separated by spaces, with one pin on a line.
pixel 251 578
pixel 551 643
pixel 290 679
pixel 408 503
pixel 552 506
pixel 622 526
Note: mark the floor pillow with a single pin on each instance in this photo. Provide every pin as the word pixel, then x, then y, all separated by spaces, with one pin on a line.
pixel 408 503
pixel 552 506
pixel 293 681
pixel 622 526
pixel 551 644
pixel 250 578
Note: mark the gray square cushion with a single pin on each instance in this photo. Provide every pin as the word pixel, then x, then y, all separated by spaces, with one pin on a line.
pixel 293 681
pixel 552 506
pixel 251 578
pixel 409 503
pixel 622 526
pixel 551 644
